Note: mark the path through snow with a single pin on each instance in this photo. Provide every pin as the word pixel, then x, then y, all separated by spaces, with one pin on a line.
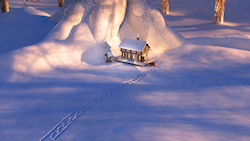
pixel 68 120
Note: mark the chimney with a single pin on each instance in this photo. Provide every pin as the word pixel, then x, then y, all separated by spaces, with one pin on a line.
pixel 138 36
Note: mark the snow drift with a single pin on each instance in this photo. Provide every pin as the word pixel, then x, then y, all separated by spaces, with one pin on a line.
pixel 223 50
pixel 106 21
pixel 88 29
pixel 151 26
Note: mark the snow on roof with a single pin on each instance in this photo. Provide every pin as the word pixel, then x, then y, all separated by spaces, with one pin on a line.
pixel 110 54
pixel 130 44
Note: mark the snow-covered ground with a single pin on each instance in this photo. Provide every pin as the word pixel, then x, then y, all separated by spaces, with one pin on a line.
pixel 199 91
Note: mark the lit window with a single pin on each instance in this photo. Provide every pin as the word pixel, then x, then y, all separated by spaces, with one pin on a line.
pixel 123 55
pixel 139 57
pixel 129 55
pixel 133 56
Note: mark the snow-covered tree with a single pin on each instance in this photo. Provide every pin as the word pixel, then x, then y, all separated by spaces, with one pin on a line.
pixel 60 3
pixel 219 11
pixel 165 6
pixel 4 5
pixel 105 18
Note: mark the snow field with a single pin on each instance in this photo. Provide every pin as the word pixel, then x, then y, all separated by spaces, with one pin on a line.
pixel 200 92
pixel 63 125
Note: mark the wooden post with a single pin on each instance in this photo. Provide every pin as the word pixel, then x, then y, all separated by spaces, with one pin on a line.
pixel 4 6
pixel 165 6
pixel 60 3
pixel 219 11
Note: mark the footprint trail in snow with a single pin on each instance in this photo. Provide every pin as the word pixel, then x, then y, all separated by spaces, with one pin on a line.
pixel 68 120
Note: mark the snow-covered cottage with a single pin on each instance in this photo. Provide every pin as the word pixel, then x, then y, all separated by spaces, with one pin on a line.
pixel 135 50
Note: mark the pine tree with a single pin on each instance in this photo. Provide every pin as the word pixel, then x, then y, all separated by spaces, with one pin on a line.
pixel 60 3
pixel 4 5
pixel 219 11
pixel 165 6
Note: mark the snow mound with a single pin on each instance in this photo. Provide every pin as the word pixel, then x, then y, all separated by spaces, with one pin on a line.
pixel 71 9
pixel 60 13
pixel 72 41
pixel 106 17
pixel 45 57
pixel 151 26
pixel 95 55
pixel 105 21
pixel 73 14
pixel 52 54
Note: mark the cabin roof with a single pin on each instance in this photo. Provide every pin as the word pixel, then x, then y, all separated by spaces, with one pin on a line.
pixel 130 44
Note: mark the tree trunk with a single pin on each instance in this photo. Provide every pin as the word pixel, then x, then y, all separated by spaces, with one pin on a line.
pixel 5 6
pixel 165 6
pixel 60 3
pixel 219 11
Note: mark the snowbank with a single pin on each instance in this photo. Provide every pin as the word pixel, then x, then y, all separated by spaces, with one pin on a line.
pixel 59 14
pixel 73 15
pixel 151 26
pixel 105 19
pixel 51 54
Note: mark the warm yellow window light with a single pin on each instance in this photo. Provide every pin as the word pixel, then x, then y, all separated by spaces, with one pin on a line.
pixel 129 56
pixel 133 57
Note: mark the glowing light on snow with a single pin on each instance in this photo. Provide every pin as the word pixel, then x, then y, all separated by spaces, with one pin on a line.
pixel 45 56
pixel 105 21
pixel 173 13
pixel 230 24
